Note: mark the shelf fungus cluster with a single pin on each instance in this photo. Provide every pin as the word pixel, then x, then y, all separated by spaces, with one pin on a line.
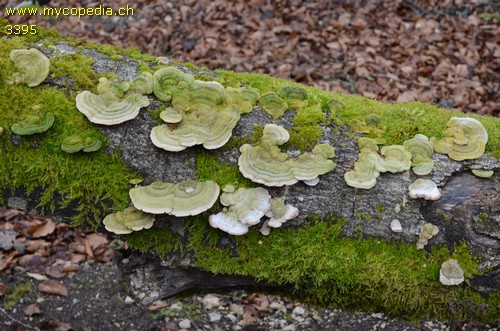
pixel 131 219
pixel 370 124
pixel 370 164
pixel 246 207
pixel 33 67
pixel 266 164
pixel 115 102
pixel 295 96
pixel 74 144
pixel 181 199
pixel 465 139
pixel 202 113
pixel 273 104
pixel 421 151
pixel 31 124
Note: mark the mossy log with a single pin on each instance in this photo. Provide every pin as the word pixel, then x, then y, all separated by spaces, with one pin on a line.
pixel 340 250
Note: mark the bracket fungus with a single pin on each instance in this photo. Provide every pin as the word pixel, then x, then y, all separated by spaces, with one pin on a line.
pixel 266 164
pixel 369 124
pixel 73 144
pixel 32 124
pixel 185 198
pixel 421 151
pixel 273 104
pixel 465 139
pixel 170 115
pixel 427 231
pixel 295 96
pixel 142 84
pixel 424 188
pixel 131 219
pixel 481 173
pixel 168 81
pixel 280 212
pixel 396 226
pixel 451 273
pixel 395 159
pixel 33 66
pixel 112 105
pixel 202 125
pixel 245 207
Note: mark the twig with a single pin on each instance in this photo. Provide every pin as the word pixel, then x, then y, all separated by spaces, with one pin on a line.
pixel 16 320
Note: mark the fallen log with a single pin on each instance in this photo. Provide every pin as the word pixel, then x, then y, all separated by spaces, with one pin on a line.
pixel 340 250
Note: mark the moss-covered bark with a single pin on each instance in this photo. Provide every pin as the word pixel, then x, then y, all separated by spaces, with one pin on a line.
pixel 340 251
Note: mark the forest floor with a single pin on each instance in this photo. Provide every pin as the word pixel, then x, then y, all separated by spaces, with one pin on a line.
pixel 443 52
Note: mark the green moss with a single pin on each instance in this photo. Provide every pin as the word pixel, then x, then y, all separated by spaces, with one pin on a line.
pixel 95 182
pixel 76 66
pixel 380 211
pixel 208 167
pixel 11 299
pixel 159 240
pixel 363 216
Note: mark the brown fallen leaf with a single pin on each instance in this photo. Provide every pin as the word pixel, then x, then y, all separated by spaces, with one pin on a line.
pixel 5 259
pixel 33 309
pixel 3 289
pixel 64 327
pixel 53 287
pixel 42 229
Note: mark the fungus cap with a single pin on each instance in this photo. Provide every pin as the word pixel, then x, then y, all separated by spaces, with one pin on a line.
pixel 228 222
pixel 32 64
pixel 128 220
pixel 32 124
pixel 424 188
pixel 170 115
pixel 363 176
pixel 481 173
pixel 266 164
pixel 181 199
pixel 427 231
pixel 75 143
pixel 273 104
pixel 396 159
pixel 169 80
pixel 451 273
pixel 249 205
pixel 396 226
pixel 202 125
pixel 106 107
pixel 280 212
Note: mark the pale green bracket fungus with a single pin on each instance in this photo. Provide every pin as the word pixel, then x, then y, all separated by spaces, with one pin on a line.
pixel 203 125
pixel 185 198
pixel 370 124
pixel 168 81
pixel 170 115
pixel 266 164
pixel 107 107
pixel 421 151
pixel 273 104
pixel 424 188
pixel 74 144
pixel 295 96
pixel 280 212
pixel 33 67
pixel 131 219
pixel 451 273
pixel 142 84
pixel 245 207
pixel 32 124
pixel 465 139
pixel 363 176
pixel 483 173
pixel 427 231
pixel 243 98
pixel 395 159
pixel 396 226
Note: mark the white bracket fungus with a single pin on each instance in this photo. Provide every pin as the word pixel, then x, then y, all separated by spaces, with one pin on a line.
pixel 424 188
pixel 451 273
pixel 33 66
pixel 266 164
pixel 181 199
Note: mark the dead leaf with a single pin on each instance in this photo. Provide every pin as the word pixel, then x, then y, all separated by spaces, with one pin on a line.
pixel 33 309
pixel 42 229
pixel 53 287
pixel 64 327
pixel 3 289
